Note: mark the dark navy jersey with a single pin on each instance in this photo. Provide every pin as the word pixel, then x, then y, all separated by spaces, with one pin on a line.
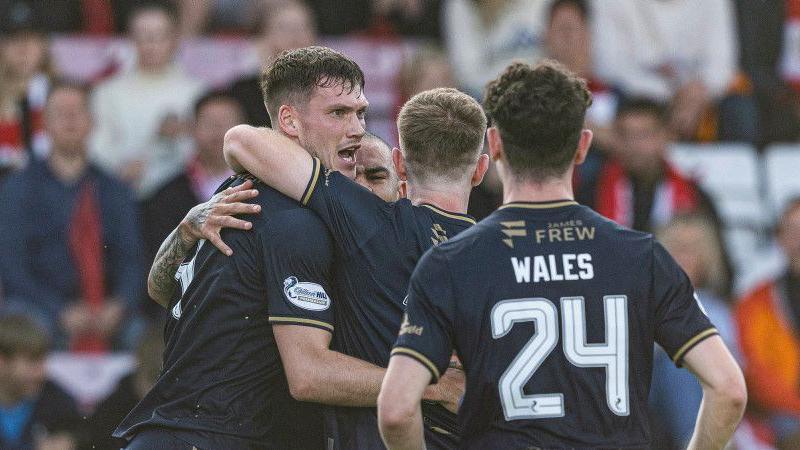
pixel 377 245
pixel 223 384
pixel 553 311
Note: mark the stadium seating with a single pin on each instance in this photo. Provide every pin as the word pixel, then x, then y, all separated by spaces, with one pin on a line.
pixel 782 163
pixel 732 174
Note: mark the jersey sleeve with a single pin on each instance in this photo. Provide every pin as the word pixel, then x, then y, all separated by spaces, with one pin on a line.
pixel 680 320
pixel 298 255
pixel 352 213
pixel 427 328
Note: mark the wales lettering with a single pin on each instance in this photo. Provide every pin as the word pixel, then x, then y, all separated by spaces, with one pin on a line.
pixel 540 268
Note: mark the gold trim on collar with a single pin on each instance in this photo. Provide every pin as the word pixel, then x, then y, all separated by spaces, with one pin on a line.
pixel 450 215
pixel 539 205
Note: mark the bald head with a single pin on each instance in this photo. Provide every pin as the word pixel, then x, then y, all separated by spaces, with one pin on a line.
pixel 374 168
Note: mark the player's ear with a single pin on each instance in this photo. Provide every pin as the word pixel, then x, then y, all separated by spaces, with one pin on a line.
pixel 287 121
pixel 480 169
pixel 584 143
pixel 399 164
pixel 495 143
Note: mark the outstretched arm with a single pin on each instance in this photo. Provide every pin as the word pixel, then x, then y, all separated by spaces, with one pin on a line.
pixel 204 221
pixel 271 157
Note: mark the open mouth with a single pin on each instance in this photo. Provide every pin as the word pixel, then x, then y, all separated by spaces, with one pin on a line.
pixel 348 154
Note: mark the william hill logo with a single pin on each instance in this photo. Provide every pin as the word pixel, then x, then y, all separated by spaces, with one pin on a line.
pixel 513 229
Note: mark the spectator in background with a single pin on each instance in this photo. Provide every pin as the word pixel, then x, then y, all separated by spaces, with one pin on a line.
pixel 24 82
pixel 71 245
pixel 768 318
pixel 681 52
pixel 484 36
pixel 141 116
pixel 215 113
pixel 130 390
pixel 34 412
pixel 637 187
pixel 770 51
pixel 568 40
pixel 197 17
pixel 426 68
pixel 286 25
pixel 691 240
pixel 416 18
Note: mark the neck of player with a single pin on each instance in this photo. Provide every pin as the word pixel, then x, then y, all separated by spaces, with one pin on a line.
pixel 551 189
pixel 448 200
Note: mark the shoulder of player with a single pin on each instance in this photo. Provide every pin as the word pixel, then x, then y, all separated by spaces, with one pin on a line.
pixel 290 221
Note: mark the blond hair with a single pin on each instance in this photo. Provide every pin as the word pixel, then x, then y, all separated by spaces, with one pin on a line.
pixel 441 134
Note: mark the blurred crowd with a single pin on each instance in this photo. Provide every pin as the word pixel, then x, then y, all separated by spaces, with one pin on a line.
pixel 94 175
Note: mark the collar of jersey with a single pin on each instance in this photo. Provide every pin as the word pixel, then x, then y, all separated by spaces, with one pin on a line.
pixel 540 205
pixel 449 214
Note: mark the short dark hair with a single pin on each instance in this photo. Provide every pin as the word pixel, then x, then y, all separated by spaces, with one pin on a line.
pixel 215 96
pixel 644 106
pixel 580 5
pixel 21 335
pixel 294 74
pixel 539 111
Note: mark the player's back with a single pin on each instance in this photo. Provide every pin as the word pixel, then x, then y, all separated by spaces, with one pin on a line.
pixel 554 312
pixel 378 245
pixel 223 384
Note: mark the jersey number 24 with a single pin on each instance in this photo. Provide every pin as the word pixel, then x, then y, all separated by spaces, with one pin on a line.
pixel 611 355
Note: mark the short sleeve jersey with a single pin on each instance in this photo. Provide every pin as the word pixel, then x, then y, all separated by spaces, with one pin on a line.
pixel 378 244
pixel 553 311
pixel 223 384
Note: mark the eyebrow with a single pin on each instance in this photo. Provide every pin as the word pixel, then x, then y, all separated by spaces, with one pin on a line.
pixel 376 171
pixel 336 106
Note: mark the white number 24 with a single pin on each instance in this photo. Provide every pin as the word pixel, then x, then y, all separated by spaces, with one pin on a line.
pixel 611 355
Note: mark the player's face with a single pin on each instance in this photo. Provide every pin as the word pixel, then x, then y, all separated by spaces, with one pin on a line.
pixel 375 171
pixel 331 126
pixel 68 121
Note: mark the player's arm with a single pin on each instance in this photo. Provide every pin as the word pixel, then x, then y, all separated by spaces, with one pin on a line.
pixel 318 374
pixel 204 221
pixel 422 352
pixel 688 336
pixel 271 157
pixel 399 410
pixel 724 393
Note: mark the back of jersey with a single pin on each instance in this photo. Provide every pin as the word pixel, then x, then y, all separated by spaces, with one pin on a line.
pixel 553 311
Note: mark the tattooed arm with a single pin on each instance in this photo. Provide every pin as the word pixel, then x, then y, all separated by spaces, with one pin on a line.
pixel 204 221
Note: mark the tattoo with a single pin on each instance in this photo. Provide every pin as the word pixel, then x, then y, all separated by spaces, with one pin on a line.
pixel 161 282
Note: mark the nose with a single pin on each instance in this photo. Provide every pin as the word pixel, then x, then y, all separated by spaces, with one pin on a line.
pixel 357 127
